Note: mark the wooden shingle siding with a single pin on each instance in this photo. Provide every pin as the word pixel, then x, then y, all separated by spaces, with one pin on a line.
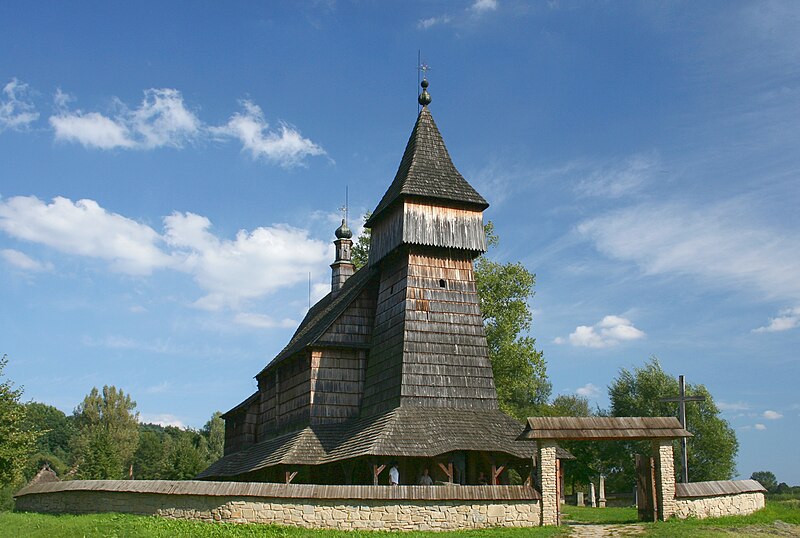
pixel 603 428
pixel 433 225
pixel 384 367
pixel 337 384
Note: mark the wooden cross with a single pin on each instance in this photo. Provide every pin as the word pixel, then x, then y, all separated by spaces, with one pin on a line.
pixel 682 399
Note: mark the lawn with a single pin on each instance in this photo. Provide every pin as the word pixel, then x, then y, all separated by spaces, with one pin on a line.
pixel 29 525
pixel 779 518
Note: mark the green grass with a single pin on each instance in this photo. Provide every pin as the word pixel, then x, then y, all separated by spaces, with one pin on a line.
pixel 586 514
pixel 760 524
pixel 30 525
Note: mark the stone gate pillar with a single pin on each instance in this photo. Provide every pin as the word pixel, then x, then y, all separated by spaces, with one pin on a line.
pixel 665 478
pixel 547 480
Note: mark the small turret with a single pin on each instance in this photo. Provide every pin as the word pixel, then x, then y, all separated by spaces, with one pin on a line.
pixel 342 267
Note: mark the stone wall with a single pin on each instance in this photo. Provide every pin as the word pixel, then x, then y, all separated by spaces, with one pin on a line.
pixel 383 514
pixel 726 505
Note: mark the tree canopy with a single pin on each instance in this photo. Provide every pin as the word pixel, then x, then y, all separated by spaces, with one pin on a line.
pixel 17 441
pixel 711 452
pixel 108 433
pixel 766 479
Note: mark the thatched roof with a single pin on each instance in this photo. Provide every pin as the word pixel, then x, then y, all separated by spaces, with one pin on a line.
pixel 603 428
pixel 404 431
pixel 426 171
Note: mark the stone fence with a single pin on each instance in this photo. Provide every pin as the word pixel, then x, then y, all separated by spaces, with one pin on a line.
pixel 311 506
pixel 721 498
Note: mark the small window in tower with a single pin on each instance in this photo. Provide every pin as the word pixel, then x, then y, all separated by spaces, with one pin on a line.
pixel 442 283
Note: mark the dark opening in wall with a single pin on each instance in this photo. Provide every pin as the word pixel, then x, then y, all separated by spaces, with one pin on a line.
pixel 442 283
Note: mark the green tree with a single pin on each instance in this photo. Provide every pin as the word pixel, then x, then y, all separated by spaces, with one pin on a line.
pixel 360 251
pixel 711 452
pixel 150 458
pixel 214 432
pixel 519 369
pixel 54 445
pixel 17 441
pixel 187 457
pixel 766 479
pixel 105 417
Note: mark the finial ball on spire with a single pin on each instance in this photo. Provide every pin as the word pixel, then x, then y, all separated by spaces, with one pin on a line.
pixel 424 98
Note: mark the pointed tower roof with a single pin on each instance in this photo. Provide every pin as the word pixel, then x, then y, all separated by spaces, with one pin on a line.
pixel 427 171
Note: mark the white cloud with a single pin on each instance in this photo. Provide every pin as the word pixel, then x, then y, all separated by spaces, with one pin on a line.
pixel 787 319
pixel 732 406
pixel 284 145
pixel 230 271
pixel 771 415
pixel 162 119
pixel 618 179
pixel 715 244
pixel 262 321
pixel 430 22
pixel 610 331
pixel 22 261
pixel 163 419
pixel 589 390
pixel 16 109
pixel 481 6
pixel 84 228
pixel 252 265
pixel 760 427
pixel 159 388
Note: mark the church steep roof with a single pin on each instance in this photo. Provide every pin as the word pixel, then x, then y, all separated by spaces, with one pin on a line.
pixel 427 171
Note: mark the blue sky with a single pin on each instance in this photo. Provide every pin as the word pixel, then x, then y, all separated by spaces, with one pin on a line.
pixel 170 173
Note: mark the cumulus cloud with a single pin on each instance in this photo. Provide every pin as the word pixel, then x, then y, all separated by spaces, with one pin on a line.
pixel 253 264
pixel 732 406
pixel 20 260
pixel 589 390
pixel 261 321
pixel 163 419
pixel 760 427
pixel 786 319
pixel 17 111
pixel 610 331
pixel 771 415
pixel 84 228
pixel 284 145
pixel 229 271
pixel 481 6
pixel 162 119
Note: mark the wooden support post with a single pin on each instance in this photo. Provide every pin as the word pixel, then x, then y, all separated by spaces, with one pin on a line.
pixel 447 470
pixel 376 470
pixel 290 476
pixel 496 472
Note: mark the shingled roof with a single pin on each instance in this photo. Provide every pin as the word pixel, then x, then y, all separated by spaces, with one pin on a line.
pixel 603 428
pixel 404 431
pixel 427 171
pixel 324 313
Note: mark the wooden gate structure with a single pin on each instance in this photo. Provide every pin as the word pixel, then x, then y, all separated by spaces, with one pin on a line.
pixel 656 473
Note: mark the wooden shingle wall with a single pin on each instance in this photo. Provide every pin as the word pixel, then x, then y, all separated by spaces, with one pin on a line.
pixel 384 367
pixel 294 392
pixel 433 225
pixel 337 383
pixel 446 358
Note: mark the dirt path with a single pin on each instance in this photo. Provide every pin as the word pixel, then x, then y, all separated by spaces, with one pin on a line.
pixel 578 530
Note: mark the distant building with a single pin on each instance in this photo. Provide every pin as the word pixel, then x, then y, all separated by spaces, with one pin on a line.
pixel 392 365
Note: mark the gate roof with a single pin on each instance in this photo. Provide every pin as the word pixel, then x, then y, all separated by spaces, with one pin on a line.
pixel 603 428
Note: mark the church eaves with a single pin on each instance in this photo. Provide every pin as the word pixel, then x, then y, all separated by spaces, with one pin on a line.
pixel 426 171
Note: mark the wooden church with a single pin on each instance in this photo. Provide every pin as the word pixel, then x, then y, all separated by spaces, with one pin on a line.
pixel 392 366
